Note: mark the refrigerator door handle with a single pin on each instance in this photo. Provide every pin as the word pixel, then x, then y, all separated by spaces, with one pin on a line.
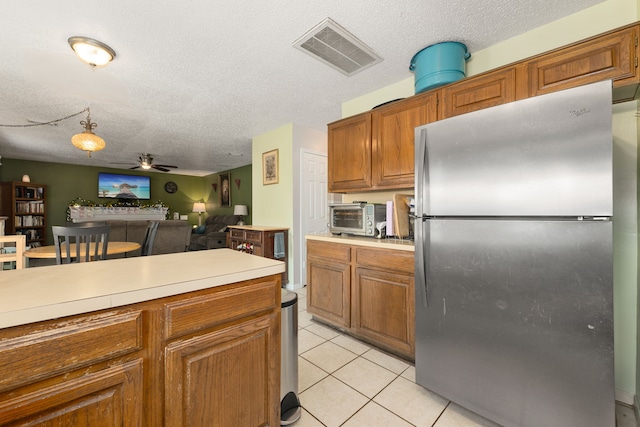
pixel 422 263
pixel 421 224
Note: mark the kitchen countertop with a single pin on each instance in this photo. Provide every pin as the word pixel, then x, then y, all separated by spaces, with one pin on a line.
pixel 388 243
pixel 43 293
pixel 257 227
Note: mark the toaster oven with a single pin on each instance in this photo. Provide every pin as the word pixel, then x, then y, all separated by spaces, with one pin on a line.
pixel 358 219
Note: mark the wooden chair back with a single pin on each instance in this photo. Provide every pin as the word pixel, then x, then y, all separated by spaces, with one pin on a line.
pixel 19 242
pixel 81 244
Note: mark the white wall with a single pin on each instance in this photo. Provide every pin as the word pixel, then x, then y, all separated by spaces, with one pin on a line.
pixel 279 204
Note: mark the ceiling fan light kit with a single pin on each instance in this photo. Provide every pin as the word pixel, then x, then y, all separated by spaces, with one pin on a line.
pixel 145 161
pixel 93 52
pixel 87 140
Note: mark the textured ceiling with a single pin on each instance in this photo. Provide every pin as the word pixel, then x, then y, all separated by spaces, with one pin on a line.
pixel 195 80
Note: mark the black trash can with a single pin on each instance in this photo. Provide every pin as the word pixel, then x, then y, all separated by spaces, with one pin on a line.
pixel 289 403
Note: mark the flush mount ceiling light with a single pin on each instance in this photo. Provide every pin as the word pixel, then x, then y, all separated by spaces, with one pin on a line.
pixel 328 42
pixel 87 140
pixel 93 52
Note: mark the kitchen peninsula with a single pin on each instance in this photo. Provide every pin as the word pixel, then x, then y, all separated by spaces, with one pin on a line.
pixel 185 339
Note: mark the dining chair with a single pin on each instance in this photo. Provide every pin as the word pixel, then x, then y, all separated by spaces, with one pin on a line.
pixel 16 252
pixel 86 224
pixel 149 238
pixel 82 243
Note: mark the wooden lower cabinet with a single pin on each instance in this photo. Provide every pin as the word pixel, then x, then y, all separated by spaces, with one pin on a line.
pixel 372 298
pixel 110 397
pixel 206 358
pixel 230 368
pixel 383 308
pixel 329 269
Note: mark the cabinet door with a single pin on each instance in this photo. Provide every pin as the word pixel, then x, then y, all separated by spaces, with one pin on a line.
pixel 393 135
pixel 225 378
pixel 383 298
pixel 383 309
pixel 329 294
pixel 611 56
pixel 477 93
pixel 349 154
pixel 329 282
pixel 108 398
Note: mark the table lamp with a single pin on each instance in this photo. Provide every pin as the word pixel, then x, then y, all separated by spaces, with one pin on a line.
pixel 199 208
pixel 241 210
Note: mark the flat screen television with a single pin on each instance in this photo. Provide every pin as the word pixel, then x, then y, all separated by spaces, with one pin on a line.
pixel 120 186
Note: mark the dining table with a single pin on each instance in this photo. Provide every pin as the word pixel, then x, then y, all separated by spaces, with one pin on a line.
pixel 113 247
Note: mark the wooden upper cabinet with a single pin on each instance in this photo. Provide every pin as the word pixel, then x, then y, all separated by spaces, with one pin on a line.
pixel 393 135
pixel 349 154
pixel 375 150
pixel 610 56
pixel 477 93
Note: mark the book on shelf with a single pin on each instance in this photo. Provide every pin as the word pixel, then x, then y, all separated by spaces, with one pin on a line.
pixel 29 192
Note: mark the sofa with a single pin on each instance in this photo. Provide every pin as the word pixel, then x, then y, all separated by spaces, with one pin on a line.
pixel 213 234
pixel 172 235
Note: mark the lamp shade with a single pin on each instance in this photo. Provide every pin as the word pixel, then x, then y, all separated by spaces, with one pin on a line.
pixel 88 141
pixel 240 210
pixel 199 207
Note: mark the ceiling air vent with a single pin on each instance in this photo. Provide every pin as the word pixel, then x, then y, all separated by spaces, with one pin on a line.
pixel 330 43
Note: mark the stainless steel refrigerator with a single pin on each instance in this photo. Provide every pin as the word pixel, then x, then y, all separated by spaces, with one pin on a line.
pixel 514 267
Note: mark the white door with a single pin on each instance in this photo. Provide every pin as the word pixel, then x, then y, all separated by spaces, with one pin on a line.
pixel 314 205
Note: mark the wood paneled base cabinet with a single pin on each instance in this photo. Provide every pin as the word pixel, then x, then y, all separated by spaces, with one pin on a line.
pixel 202 359
pixel 364 291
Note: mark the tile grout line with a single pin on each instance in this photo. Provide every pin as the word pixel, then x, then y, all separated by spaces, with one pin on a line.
pixel 369 400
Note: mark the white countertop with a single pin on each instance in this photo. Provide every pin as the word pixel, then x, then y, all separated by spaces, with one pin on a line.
pixel 387 243
pixel 43 293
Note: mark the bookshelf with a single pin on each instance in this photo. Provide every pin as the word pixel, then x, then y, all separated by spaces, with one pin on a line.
pixel 24 205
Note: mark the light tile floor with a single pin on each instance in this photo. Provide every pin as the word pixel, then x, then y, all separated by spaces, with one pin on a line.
pixel 345 382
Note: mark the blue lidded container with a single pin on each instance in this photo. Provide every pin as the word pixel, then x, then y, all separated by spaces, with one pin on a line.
pixel 438 65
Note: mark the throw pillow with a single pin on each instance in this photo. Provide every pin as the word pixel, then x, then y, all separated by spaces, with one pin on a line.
pixel 223 227
pixel 200 229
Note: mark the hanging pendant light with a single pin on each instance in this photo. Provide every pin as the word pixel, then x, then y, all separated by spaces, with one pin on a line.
pixel 87 140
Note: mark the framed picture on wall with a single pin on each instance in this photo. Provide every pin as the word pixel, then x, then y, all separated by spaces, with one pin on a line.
pixel 270 167
pixel 224 181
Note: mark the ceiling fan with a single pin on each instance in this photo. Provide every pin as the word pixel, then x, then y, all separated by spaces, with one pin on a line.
pixel 145 161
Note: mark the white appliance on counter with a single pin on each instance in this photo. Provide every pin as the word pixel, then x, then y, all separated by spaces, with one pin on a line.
pixel 514 266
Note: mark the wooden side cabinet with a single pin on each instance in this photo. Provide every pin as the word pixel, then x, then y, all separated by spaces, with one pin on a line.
pixel 264 241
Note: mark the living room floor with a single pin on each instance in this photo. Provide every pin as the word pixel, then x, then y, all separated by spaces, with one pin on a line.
pixel 346 382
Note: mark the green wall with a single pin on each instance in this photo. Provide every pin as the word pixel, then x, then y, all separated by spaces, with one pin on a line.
pixel 241 192
pixel 66 182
